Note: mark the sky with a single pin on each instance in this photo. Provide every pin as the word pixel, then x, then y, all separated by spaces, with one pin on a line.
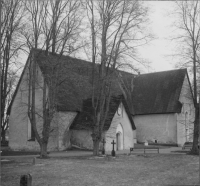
pixel 159 50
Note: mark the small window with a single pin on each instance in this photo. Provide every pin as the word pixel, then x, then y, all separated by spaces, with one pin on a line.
pixel 183 110
pixel 186 119
pixel 31 134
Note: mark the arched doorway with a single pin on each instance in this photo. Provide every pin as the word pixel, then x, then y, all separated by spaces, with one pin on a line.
pixel 119 141
pixel 119 138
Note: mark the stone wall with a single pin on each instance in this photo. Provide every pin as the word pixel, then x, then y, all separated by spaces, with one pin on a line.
pixel 82 138
pixel 169 128
pixel 65 119
pixel 185 119
pixel 160 127
pixel 19 124
pixel 18 120
pixel 128 135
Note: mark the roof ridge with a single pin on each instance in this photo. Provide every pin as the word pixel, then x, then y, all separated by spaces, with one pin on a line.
pixel 181 69
pixel 80 61
pixel 63 55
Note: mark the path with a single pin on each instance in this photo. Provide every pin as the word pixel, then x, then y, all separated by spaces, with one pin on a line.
pixel 76 153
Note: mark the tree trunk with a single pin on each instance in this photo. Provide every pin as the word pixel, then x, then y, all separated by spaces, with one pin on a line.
pixel 43 150
pixel 3 135
pixel 96 135
pixel 195 149
pixel 96 147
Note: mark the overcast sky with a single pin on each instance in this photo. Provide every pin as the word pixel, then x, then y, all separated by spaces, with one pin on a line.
pixel 157 51
pixel 161 26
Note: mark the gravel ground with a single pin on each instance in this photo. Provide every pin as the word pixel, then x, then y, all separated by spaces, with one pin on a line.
pixel 136 170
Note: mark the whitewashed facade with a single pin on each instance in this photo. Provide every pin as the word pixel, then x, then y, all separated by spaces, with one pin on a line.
pixel 169 128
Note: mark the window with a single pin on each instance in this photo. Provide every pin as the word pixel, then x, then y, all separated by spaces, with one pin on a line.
pixel 186 127
pixel 31 134
pixel 183 108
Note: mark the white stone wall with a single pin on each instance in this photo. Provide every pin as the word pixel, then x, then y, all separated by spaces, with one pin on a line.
pixel 65 119
pixel 169 128
pixel 18 120
pixel 135 136
pixel 82 138
pixel 128 135
pixel 160 127
pixel 19 124
pixel 185 119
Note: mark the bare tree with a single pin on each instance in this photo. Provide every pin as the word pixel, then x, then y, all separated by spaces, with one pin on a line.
pixel 0 67
pixel 12 14
pixel 116 30
pixel 54 27
pixel 188 24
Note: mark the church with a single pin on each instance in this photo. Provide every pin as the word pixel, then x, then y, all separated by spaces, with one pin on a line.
pixel 162 102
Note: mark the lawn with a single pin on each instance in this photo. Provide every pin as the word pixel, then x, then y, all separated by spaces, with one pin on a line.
pixel 136 170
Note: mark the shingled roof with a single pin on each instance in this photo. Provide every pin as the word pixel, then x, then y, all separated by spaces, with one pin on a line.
pixel 74 79
pixel 154 93
pixel 74 91
pixel 72 76
pixel 83 120
pixel 159 92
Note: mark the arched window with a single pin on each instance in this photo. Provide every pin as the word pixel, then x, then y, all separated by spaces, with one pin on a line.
pixel 187 132
pixel 31 134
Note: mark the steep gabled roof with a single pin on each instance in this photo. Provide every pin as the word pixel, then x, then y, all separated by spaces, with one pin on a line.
pixel 158 92
pixel 153 93
pixel 75 87
pixel 74 79
pixel 83 120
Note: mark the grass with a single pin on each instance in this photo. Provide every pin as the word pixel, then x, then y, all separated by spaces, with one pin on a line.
pixel 19 153
pixel 6 151
pixel 136 170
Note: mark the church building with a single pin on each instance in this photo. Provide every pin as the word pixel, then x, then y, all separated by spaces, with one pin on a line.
pixel 163 109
